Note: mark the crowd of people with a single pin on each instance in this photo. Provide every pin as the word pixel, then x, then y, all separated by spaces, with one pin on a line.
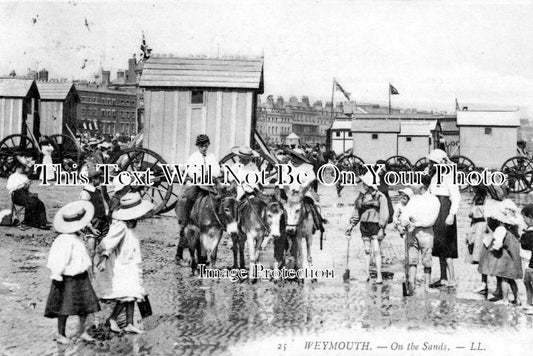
pixel 98 244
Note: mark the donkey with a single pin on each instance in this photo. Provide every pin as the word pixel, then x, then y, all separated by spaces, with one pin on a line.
pixel 300 226
pixel 209 218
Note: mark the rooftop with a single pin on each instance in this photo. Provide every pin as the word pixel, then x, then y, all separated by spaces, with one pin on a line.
pixel 15 87
pixel 417 128
pixel 366 125
pixel 99 89
pixel 488 118
pixel 54 91
pixel 203 73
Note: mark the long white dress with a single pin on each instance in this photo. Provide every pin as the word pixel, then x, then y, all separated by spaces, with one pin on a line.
pixel 122 277
pixel 47 159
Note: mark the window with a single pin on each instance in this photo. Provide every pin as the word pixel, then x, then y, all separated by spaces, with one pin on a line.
pixel 83 111
pixel 337 134
pixel 350 134
pixel 408 139
pixel 374 136
pixel 488 130
pixel 197 97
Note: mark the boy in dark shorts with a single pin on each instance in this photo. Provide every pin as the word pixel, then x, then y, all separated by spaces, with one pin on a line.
pixel 372 212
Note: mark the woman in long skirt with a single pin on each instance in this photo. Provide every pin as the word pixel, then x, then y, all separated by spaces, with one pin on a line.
pixel 445 228
pixel 121 277
pixel 18 185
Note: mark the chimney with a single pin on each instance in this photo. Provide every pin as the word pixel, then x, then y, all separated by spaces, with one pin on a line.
pixel 328 104
pixel 132 63
pixel 270 100
pixel 280 102
pixel 43 75
pixel 318 104
pixel 106 77
pixel 120 74
pixel 305 100
pixel 339 106
pixel 13 74
pixel 293 100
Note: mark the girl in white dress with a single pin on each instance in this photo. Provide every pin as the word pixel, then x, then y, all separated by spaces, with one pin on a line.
pixel 121 277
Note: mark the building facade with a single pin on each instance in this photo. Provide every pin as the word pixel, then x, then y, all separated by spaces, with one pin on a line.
pixel 278 119
pixel 106 111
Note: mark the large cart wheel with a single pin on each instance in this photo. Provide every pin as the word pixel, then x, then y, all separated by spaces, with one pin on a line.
pixel 465 165
pixel 351 163
pixel 399 164
pixel 519 171
pixel 15 145
pixel 71 158
pixel 421 164
pixel 140 159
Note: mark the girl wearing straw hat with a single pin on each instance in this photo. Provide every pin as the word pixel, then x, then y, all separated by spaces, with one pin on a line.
pixel 71 292
pixel 120 277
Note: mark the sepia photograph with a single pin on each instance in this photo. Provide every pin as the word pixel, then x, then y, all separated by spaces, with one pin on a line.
pixel 266 177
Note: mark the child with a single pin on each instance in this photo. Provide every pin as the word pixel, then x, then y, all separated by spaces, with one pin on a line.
pixel 120 261
pixel 371 209
pixel 95 193
pixel 504 255
pixel 526 242
pixel 405 196
pixel 418 217
pixel 71 292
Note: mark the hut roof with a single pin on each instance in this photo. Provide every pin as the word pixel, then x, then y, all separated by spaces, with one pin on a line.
pixel 203 73
pixel 373 125
pixel 449 126
pixel 488 118
pixel 417 128
pixel 342 125
pixel 54 91
pixel 292 136
pixel 15 87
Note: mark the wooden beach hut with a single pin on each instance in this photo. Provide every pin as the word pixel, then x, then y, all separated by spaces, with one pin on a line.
pixel 417 138
pixel 488 138
pixel 58 107
pixel 375 139
pixel 341 136
pixel 292 140
pixel 19 107
pixel 185 97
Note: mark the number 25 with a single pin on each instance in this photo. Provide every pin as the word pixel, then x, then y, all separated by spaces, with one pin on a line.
pixel 282 347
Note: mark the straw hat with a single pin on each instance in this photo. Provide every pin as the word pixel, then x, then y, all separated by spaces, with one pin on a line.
pixel 118 186
pixel 437 156
pixel 132 206
pixel 93 141
pixel 298 153
pixel 244 151
pixel 105 145
pixel 368 179
pixel 73 216
pixel 407 191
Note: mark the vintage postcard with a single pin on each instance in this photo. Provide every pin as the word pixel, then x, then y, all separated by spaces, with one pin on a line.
pixel 266 177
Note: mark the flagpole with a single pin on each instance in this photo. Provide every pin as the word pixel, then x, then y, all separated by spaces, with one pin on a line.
pixel 332 98
pixel 389 99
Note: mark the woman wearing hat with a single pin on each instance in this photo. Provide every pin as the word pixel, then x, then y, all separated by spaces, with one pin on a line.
pixel 18 185
pixel 445 228
pixel 47 148
pixel 243 167
pixel 71 292
pixel 120 278
pixel 371 210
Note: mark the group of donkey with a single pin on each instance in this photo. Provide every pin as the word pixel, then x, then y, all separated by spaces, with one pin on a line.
pixel 255 220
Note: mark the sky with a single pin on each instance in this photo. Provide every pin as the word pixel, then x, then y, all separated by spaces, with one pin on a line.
pixel 431 51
